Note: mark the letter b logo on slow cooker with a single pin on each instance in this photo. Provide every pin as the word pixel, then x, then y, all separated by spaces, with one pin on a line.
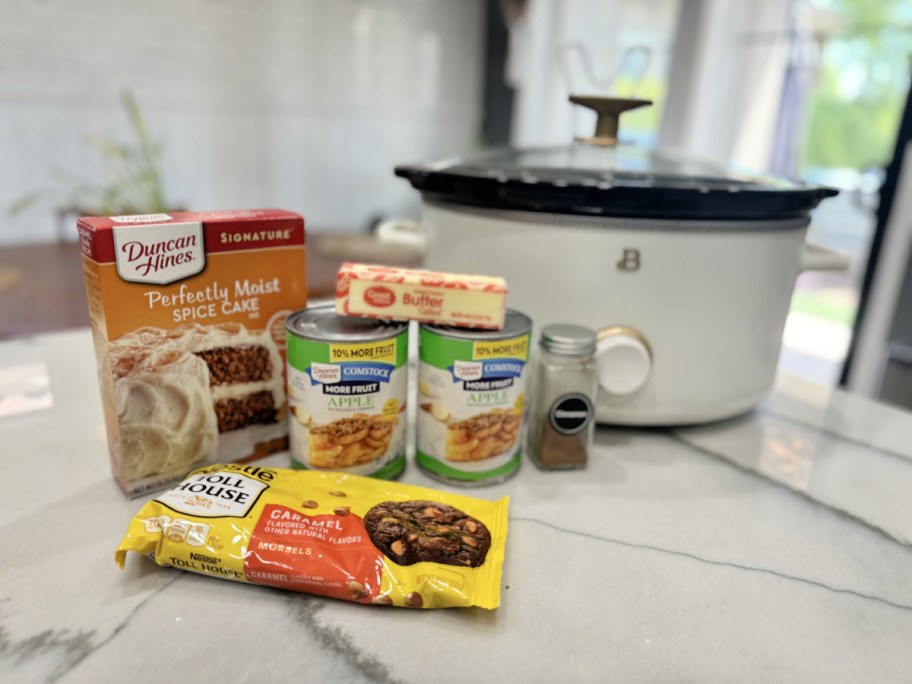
pixel 630 260
pixel 570 413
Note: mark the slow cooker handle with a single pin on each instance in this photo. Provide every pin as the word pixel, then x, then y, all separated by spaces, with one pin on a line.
pixel 817 258
pixel 402 232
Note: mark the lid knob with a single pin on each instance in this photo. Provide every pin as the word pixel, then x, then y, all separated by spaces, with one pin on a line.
pixel 608 110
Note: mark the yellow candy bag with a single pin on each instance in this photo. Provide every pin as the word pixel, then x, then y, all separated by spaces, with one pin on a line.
pixel 344 536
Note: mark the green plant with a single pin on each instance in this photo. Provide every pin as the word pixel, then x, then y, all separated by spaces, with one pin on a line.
pixel 131 177
pixel 862 86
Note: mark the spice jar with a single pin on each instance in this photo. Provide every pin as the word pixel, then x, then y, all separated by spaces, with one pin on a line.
pixel 561 417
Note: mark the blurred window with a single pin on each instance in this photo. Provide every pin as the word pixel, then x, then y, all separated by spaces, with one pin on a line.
pixel 620 48
pixel 854 105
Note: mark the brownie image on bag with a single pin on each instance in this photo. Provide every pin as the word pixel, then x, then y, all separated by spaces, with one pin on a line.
pixel 411 532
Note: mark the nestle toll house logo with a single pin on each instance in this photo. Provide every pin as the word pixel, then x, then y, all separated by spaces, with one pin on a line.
pixel 159 254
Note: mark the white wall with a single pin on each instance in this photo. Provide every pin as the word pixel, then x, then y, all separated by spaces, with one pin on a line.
pixel 302 104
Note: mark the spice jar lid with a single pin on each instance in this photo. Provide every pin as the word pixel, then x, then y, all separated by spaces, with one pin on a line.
pixel 567 338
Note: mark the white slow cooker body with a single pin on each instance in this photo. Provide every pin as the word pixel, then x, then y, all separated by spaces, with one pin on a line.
pixel 710 299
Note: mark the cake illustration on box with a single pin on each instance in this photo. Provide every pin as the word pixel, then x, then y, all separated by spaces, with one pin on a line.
pixel 196 394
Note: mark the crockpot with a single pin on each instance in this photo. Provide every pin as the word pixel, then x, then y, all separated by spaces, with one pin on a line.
pixel 685 269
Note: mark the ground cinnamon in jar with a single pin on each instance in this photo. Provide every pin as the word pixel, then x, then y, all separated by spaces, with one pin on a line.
pixel 561 420
pixel 562 451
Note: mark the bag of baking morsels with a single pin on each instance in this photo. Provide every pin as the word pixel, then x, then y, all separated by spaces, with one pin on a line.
pixel 333 534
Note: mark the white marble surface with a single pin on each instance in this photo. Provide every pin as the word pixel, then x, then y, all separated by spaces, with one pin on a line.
pixel 774 547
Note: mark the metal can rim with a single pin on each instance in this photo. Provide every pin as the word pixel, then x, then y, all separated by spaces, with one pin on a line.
pixel 515 323
pixel 373 330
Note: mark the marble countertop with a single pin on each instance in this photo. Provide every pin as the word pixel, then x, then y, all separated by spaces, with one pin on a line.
pixel 773 547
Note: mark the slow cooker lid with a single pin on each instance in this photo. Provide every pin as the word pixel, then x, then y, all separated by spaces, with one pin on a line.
pixel 598 176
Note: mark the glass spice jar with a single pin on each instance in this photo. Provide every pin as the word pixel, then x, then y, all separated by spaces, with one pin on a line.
pixel 561 418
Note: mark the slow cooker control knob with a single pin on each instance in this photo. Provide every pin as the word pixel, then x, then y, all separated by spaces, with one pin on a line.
pixel 624 360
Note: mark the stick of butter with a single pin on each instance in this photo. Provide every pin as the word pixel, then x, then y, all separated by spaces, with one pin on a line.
pixel 402 294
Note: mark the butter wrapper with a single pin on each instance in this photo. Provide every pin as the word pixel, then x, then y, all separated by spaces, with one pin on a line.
pixel 402 294
pixel 349 537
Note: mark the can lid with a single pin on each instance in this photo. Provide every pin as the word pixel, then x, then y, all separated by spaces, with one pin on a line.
pixel 515 323
pixel 323 324
pixel 566 338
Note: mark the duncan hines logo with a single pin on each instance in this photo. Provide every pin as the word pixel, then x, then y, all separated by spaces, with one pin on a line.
pixel 159 254
pixel 325 373
pixel 468 370
pixel 380 296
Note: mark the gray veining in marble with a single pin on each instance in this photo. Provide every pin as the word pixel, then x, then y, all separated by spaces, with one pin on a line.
pixel 774 547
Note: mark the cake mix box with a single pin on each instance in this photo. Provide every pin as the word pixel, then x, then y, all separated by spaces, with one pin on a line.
pixel 188 312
